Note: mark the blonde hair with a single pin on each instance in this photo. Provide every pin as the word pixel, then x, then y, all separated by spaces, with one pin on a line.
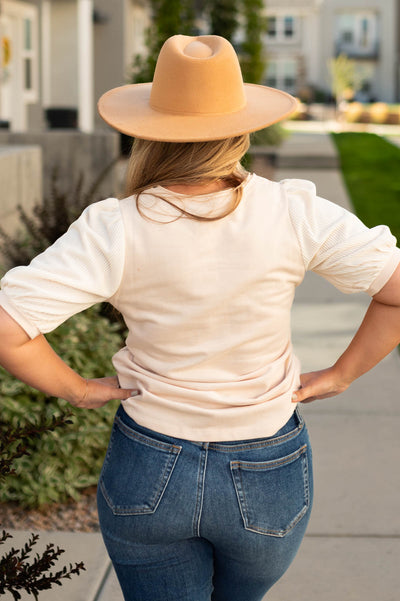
pixel 153 163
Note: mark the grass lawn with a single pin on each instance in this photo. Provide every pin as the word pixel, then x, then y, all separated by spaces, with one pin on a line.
pixel 371 169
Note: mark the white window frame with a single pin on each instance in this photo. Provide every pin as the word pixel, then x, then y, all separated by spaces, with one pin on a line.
pixel 280 37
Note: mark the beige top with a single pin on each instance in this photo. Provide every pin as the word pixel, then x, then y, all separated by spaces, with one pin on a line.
pixel 207 304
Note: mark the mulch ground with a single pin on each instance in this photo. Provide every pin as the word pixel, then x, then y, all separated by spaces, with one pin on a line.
pixel 75 516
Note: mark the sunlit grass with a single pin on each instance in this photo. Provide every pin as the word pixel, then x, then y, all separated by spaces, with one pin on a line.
pixel 371 170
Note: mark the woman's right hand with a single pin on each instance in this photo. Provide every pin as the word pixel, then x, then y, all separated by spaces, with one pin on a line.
pixel 99 391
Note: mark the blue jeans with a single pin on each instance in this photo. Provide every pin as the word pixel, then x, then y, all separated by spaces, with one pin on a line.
pixel 194 521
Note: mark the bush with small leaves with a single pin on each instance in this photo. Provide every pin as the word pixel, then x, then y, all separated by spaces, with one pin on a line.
pixel 64 462
pixel 16 572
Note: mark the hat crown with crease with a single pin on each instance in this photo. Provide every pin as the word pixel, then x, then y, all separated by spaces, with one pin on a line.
pixel 193 76
pixel 197 94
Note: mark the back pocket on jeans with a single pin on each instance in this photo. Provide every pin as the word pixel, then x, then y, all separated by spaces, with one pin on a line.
pixel 136 471
pixel 273 495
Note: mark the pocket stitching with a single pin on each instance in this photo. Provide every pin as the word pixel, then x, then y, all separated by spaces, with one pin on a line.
pixel 172 450
pixel 241 496
pixel 118 510
pixel 269 465
pixel 146 440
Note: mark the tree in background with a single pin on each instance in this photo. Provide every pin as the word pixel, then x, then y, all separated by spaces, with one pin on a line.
pixel 223 17
pixel 172 16
pixel 168 18
pixel 253 60
pixel 345 80
pixel 253 56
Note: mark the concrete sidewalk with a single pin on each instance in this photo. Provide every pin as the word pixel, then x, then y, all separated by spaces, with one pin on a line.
pixel 352 548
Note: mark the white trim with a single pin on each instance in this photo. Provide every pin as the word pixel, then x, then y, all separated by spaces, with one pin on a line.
pixel 46 52
pixel 85 65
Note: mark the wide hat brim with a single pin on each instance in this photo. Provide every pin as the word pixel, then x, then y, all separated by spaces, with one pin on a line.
pixel 127 109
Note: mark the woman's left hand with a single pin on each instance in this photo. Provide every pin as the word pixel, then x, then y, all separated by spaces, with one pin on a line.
pixel 320 384
pixel 100 391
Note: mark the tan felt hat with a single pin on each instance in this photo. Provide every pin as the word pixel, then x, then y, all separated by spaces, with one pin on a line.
pixel 197 94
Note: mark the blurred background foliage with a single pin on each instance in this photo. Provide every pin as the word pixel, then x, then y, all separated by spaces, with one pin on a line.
pixel 65 461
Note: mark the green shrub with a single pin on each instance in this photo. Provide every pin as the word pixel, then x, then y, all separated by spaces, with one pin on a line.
pixel 17 573
pixel 379 112
pixel 274 135
pixel 67 460
pixel 353 112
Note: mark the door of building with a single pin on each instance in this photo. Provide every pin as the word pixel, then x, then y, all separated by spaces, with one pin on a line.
pixel 18 74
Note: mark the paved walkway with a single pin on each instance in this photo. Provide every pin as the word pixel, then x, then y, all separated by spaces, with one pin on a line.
pixel 352 547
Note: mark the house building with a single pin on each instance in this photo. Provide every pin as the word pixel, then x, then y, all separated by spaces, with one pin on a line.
pixel 367 32
pixel 291 41
pixel 304 35
pixel 59 56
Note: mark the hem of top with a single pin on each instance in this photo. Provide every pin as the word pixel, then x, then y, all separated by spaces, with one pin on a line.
pixel 386 273
pixel 204 435
pixel 31 330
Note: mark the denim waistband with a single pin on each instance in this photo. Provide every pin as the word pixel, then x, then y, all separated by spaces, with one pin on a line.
pixel 292 427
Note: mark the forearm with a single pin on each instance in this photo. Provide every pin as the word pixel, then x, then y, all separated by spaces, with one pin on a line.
pixel 36 363
pixel 377 336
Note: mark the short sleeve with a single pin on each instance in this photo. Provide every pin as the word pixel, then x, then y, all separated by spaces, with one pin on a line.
pixel 335 244
pixel 83 267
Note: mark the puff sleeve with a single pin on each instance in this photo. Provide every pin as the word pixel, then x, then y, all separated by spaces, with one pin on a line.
pixel 83 267
pixel 335 244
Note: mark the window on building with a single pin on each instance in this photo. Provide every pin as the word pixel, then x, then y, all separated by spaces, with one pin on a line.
pixel 272 79
pixel 357 33
pixel 365 33
pixel 288 27
pixel 283 28
pixel 28 54
pixel 28 34
pixel 271 27
pixel 346 29
pixel 282 74
pixel 289 70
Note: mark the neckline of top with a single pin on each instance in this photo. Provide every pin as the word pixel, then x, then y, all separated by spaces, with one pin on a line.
pixel 220 193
